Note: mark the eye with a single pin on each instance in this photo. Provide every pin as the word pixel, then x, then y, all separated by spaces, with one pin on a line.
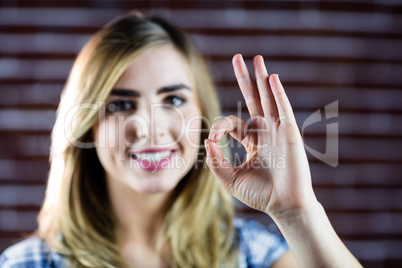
pixel 121 106
pixel 174 100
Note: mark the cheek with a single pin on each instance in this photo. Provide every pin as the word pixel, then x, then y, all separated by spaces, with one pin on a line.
pixel 106 135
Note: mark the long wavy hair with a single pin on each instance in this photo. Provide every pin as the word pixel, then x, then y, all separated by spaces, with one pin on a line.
pixel 76 218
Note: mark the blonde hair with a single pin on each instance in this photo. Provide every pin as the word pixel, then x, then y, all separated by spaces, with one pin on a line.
pixel 76 218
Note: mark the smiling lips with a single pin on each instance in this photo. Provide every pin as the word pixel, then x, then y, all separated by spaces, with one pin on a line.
pixel 153 159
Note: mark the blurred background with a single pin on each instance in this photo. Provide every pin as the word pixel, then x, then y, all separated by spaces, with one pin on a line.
pixel 344 53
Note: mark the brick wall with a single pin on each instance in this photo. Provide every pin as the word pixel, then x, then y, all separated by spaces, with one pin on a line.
pixel 348 53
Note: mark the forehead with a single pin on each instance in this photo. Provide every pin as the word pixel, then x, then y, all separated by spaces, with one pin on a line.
pixel 155 68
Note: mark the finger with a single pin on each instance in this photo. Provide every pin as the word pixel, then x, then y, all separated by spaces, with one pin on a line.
pixel 247 86
pixel 267 99
pixel 233 125
pixel 282 102
pixel 219 166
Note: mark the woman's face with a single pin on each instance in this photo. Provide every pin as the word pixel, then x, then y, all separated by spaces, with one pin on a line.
pixel 149 137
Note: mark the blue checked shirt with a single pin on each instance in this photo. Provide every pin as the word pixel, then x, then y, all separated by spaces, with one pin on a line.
pixel 258 248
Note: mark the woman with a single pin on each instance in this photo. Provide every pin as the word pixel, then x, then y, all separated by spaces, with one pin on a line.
pixel 129 187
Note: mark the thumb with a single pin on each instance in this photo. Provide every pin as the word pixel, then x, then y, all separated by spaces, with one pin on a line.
pixel 219 166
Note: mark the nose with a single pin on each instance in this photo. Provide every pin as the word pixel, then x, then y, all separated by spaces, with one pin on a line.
pixel 150 131
pixel 151 125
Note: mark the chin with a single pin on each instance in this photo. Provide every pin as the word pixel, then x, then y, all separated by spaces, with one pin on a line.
pixel 155 187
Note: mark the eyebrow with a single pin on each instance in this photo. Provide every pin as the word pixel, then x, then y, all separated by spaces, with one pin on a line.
pixel 135 93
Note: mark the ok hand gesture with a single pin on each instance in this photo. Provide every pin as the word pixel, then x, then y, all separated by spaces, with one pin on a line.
pixel 275 178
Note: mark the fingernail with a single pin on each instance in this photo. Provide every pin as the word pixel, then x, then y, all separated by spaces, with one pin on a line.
pixel 243 63
pixel 255 59
pixel 206 143
pixel 279 80
pixel 219 136
pixel 216 136
pixel 273 76
pixel 212 134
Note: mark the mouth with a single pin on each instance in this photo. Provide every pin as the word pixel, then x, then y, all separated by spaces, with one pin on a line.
pixel 151 156
pixel 152 160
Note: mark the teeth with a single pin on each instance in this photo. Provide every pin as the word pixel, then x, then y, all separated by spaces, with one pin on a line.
pixel 152 157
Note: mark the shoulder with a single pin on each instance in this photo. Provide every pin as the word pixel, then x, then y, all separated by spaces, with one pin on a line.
pixel 31 252
pixel 258 246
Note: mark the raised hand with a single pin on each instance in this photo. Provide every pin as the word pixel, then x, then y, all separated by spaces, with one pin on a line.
pixel 275 178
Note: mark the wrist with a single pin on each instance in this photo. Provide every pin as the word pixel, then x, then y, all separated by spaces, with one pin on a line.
pixel 299 217
pixel 312 238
